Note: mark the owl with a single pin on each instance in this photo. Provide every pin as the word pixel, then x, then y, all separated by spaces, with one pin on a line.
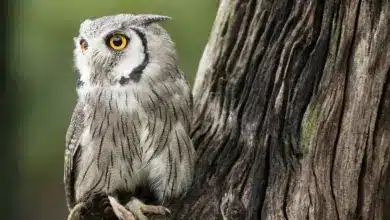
pixel 128 138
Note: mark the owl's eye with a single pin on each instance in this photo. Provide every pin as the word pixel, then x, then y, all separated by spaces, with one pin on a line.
pixel 117 41
pixel 83 45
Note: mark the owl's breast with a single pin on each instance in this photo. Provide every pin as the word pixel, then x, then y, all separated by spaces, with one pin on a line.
pixel 110 156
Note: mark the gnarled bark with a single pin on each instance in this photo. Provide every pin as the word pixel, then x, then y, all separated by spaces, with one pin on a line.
pixel 292 112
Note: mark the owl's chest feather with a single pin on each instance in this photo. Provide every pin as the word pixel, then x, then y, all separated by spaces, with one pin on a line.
pixel 110 157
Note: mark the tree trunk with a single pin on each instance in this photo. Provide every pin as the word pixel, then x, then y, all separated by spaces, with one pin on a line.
pixel 292 112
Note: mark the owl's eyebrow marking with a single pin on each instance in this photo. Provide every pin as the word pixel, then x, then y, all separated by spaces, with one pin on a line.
pixel 135 75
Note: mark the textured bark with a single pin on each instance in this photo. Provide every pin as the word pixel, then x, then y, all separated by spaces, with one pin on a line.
pixel 292 112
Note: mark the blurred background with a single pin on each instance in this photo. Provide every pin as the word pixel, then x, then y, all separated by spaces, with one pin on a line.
pixel 42 58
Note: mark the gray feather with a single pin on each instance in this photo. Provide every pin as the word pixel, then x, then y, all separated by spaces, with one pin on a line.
pixel 146 19
pixel 73 134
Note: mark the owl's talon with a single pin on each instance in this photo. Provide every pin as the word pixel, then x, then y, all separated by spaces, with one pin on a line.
pixel 155 210
pixel 139 209
pixel 168 211
pixel 120 211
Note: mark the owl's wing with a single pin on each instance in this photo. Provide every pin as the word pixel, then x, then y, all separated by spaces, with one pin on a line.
pixel 189 102
pixel 72 147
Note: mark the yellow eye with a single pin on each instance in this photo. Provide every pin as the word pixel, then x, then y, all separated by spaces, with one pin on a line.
pixel 83 45
pixel 118 41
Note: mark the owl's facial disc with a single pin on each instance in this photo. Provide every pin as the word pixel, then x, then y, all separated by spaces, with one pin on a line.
pixel 116 57
pixel 133 60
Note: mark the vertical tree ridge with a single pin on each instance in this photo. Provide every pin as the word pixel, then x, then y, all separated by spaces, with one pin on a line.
pixel 292 112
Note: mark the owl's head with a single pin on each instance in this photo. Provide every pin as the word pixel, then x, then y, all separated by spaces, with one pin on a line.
pixel 122 49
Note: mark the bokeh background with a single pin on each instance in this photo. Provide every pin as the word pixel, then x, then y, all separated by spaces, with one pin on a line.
pixel 42 57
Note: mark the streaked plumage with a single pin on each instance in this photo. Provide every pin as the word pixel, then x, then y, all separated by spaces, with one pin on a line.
pixel 130 127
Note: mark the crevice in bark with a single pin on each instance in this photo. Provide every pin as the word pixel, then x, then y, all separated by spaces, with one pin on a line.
pixel 383 190
pixel 259 192
pixel 347 71
pixel 362 174
pixel 385 97
pixel 286 197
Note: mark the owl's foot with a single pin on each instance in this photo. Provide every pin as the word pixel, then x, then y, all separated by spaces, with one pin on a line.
pixel 121 212
pixel 140 210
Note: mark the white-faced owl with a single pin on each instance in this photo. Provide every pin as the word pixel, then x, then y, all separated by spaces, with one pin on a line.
pixel 129 132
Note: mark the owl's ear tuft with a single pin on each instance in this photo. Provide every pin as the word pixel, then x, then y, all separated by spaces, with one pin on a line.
pixel 146 19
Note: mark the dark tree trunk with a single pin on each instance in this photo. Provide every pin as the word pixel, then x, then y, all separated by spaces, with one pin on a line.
pixel 292 112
